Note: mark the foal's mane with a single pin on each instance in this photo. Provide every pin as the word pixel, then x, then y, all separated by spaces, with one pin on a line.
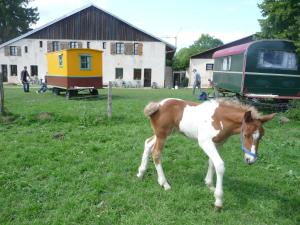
pixel 240 106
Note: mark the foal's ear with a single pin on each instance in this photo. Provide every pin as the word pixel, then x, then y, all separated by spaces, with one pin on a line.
pixel 247 117
pixel 266 118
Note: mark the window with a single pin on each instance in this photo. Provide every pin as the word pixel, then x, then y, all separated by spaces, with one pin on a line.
pixel 104 45
pixel 55 46
pixel 13 50
pixel 61 60
pixel 136 48
pixel 209 66
pixel 119 48
pixel 73 44
pixel 88 44
pixel 41 44
pixel 85 62
pixel 226 63
pixel 137 74
pixel 277 60
pixel 13 70
pixel 33 70
pixel 26 49
pixel 119 73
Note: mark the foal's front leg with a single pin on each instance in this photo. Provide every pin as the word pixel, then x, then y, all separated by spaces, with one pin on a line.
pixel 210 149
pixel 209 179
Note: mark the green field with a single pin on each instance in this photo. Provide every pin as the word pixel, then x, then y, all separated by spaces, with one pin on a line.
pixel 72 165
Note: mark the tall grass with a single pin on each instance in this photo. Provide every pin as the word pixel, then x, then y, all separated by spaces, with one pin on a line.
pixel 64 162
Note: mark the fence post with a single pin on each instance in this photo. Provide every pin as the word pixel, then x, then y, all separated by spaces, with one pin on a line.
pixel 109 100
pixel 1 95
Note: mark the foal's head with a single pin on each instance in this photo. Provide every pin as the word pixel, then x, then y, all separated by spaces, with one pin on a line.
pixel 251 133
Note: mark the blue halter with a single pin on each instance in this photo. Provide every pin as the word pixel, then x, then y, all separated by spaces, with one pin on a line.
pixel 245 150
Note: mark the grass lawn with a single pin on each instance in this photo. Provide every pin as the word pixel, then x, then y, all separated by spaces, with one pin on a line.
pixel 74 166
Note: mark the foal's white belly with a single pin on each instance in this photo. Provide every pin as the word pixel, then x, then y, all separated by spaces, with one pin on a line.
pixel 197 121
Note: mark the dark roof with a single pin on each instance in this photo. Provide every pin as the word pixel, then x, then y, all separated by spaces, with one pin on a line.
pixel 90 23
pixel 209 53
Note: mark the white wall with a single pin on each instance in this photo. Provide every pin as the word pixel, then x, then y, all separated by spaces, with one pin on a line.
pixel 153 58
pixel 200 66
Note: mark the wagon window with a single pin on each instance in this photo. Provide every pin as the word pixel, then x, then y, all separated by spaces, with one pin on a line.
pixel 277 60
pixel 226 63
pixel 85 62
pixel 60 60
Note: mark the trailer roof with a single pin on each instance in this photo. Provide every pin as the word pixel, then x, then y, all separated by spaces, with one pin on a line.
pixel 235 50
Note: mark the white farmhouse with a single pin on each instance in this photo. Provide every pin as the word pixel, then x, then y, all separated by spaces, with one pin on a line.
pixel 129 53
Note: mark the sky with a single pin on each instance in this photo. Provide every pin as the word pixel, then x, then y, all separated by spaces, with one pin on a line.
pixel 227 20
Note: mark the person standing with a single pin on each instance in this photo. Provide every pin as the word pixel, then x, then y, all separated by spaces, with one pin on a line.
pixel 197 81
pixel 25 79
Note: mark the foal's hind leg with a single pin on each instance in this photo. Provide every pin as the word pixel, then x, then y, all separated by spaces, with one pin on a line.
pixel 157 161
pixel 209 179
pixel 149 143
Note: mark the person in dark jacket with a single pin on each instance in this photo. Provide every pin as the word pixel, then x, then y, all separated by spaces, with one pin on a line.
pixel 25 79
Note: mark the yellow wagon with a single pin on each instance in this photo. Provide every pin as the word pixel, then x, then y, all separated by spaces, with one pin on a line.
pixel 71 70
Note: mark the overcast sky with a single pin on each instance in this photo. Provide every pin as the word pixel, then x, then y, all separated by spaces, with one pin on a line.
pixel 187 19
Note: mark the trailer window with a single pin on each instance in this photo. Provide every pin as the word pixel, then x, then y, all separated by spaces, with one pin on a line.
pixel 277 60
pixel 85 62
pixel 226 63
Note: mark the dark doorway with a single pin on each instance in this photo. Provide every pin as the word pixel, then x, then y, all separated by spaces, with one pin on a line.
pixel 147 77
pixel 4 72
pixel 179 79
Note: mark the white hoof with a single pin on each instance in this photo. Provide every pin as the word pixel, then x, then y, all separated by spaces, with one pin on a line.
pixel 140 175
pixel 166 186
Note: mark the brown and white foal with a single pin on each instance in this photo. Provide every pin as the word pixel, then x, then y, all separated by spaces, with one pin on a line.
pixel 210 123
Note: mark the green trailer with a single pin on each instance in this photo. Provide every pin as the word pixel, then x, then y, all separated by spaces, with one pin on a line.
pixel 258 69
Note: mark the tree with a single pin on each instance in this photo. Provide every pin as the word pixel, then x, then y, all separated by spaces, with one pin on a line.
pixel 204 42
pixel 16 18
pixel 281 20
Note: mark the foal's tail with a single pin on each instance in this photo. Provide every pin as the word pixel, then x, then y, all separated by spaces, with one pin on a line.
pixel 151 108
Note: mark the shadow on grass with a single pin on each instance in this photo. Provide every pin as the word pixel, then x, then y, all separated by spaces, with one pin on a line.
pixel 288 205
pixel 8 117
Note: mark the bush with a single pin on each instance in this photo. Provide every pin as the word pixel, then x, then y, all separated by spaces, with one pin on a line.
pixel 185 82
pixel 293 112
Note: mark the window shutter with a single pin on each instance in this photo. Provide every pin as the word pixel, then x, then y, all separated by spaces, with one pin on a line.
pixel 18 51
pixel 113 48
pixel 64 45
pixel 128 48
pixel 49 46
pixel 79 44
pixel 6 51
pixel 140 49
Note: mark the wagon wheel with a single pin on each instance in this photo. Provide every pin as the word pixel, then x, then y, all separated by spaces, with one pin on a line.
pixel 55 91
pixel 216 93
pixel 71 93
pixel 93 91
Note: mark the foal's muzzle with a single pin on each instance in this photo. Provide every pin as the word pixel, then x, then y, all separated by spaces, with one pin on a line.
pixel 250 160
